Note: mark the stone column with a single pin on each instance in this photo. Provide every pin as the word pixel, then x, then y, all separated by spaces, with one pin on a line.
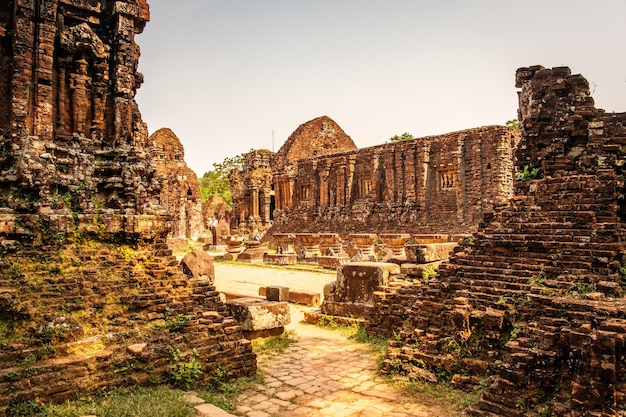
pixel 124 80
pixel 266 201
pixel 278 191
pixel 350 164
pixel 254 202
pixel 324 173
pixel 291 180
pixel 376 179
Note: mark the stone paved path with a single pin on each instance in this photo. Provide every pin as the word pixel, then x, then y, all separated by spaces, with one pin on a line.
pixel 323 374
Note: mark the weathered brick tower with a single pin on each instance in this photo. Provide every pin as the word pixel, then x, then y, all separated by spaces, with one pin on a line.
pixel 90 296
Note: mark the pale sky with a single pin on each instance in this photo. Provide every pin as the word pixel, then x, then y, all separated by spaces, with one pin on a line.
pixel 225 74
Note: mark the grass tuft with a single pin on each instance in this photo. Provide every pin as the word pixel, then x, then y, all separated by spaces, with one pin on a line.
pixel 275 344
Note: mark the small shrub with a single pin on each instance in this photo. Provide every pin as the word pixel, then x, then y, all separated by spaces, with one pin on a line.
pixel 52 333
pixel 127 252
pixel 428 272
pixel 527 174
pixel 174 323
pixel 25 409
pixel 14 272
pixel 185 368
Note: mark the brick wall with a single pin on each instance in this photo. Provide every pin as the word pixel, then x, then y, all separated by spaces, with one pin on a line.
pixel 440 183
pixel 91 315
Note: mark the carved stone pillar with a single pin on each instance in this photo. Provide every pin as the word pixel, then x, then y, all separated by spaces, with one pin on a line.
pixel 254 202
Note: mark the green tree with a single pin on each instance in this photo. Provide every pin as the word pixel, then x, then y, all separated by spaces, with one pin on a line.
pixel 216 180
pixel 404 136
pixel 513 123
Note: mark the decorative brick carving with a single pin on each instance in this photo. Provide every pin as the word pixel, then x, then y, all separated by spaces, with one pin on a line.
pixel 90 294
pixel 439 183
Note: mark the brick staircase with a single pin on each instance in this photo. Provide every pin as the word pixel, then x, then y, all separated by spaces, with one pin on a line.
pixel 533 304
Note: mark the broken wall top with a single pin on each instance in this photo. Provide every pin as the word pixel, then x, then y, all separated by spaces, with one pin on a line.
pixel 562 130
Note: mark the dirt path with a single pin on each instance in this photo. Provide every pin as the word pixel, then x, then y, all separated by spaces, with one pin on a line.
pixel 247 279
pixel 324 373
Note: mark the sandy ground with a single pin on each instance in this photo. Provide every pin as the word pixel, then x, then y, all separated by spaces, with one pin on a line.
pixel 246 279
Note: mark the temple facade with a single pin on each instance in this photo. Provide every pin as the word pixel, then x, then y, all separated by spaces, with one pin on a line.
pixel 442 183
pixel 71 135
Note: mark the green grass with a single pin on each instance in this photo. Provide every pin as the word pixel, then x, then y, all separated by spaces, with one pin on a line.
pixel 275 345
pixel 223 395
pixel 160 401
pixel 440 395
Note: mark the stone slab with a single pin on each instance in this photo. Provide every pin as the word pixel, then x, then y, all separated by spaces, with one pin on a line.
pixel 332 262
pixel 308 298
pixel 211 410
pixel 362 278
pixel 281 259
pixel 346 309
pixel 255 254
pixel 254 313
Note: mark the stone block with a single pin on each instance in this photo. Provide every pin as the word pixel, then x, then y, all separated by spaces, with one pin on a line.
pixel 332 262
pixel 362 278
pixel 253 253
pixel 211 410
pixel 277 293
pixel 198 264
pixel 346 309
pixel 429 252
pixel 255 314
pixel 352 294
pixel 308 298
pixel 281 258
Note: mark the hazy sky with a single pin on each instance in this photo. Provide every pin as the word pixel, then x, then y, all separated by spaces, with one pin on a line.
pixel 224 75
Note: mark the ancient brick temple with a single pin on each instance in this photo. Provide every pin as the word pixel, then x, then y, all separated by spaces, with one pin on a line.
pixel 267 180
pixel 437 183
pixel 533 305
pixel 180 188
pixel 90 295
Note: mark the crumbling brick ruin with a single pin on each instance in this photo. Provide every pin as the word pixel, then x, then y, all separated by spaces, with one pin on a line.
pixel 535 299
pixel 439 183
pixel 90 294
pixel 180 188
